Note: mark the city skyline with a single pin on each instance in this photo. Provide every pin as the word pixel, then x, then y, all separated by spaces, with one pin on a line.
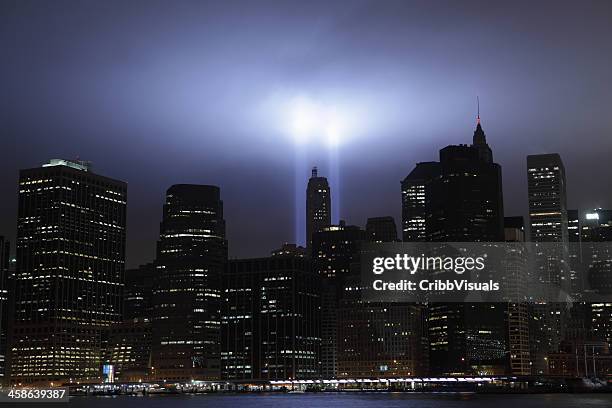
pixel 264 251
pixel 156 107
pixel 64 203
pixel 72 237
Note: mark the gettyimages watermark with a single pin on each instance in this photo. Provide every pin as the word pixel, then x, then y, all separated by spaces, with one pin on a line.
pixel 486 272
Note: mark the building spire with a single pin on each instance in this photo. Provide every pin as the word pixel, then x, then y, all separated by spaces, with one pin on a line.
pixel 314 172
pixel 480 139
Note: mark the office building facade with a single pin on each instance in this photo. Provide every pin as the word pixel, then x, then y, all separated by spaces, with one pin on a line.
pixel 129 345
pixel 191 258
pixel 5 252
pixel 69 276
pixel 271 319
pixel 335 252
pixel 459 199
pixel 318 206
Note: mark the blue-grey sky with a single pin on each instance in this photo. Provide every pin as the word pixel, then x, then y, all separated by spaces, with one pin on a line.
pixel 162 92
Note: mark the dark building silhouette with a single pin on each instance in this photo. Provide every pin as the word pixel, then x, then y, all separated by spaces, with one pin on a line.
pixel 466 201
pixel 129 345
pixel 459 199
pixel 318 206
pixel 381 229
pixel 335 252
pixel 5 251
pixel 271 319
pixel 191 257
pixel 69 276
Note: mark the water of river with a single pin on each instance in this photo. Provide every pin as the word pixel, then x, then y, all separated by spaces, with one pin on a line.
pixel 346 400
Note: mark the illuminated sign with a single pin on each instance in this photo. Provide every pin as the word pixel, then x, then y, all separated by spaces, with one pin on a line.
pixel 108 373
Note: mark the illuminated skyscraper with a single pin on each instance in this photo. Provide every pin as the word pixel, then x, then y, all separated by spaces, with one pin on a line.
pixel 596 236
pixel 548 217
pixel 574 253
pixel 4 306
pixel 414 212
pixel 548 220
pixel 69 277
pixel 318 206
pixel 596 226
pixel 191 256
pixel 335 252
pixel 518 311
pixel 271 326
pixel 547 198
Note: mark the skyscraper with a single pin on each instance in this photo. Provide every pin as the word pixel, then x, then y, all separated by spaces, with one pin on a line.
pixel 548 217
pixel 414 212
pixel 459 199
pixel 518 311
pixel 378 339
pixel 129 344
pixel 318 206
pixel 271 326
pixel 547 198
pixel 548 221
pixel 596 237
pixel 596 225
pixel 335 252
pixel 574 253
pixel 69 277
pixel 191 256
pixel 5 250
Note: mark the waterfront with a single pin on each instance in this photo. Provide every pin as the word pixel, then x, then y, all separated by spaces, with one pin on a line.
pixel 347 399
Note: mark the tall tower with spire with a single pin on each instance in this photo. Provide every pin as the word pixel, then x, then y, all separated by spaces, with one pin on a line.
pixel 318 206
pixel 459 199
pixel 480 140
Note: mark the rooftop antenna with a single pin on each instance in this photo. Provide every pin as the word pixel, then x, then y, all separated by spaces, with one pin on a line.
pixel 314 171
pixel 478 104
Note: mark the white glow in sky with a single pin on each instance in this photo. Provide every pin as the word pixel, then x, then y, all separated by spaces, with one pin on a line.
pixel 312 121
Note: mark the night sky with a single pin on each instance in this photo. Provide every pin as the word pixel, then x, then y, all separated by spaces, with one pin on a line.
pixel 162 92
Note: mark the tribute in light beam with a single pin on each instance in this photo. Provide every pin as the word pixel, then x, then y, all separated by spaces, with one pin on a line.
pixel 310 121
pixel 316 123
pixel 303 120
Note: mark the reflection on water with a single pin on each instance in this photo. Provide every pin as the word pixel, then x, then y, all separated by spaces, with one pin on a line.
pixel 351 400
